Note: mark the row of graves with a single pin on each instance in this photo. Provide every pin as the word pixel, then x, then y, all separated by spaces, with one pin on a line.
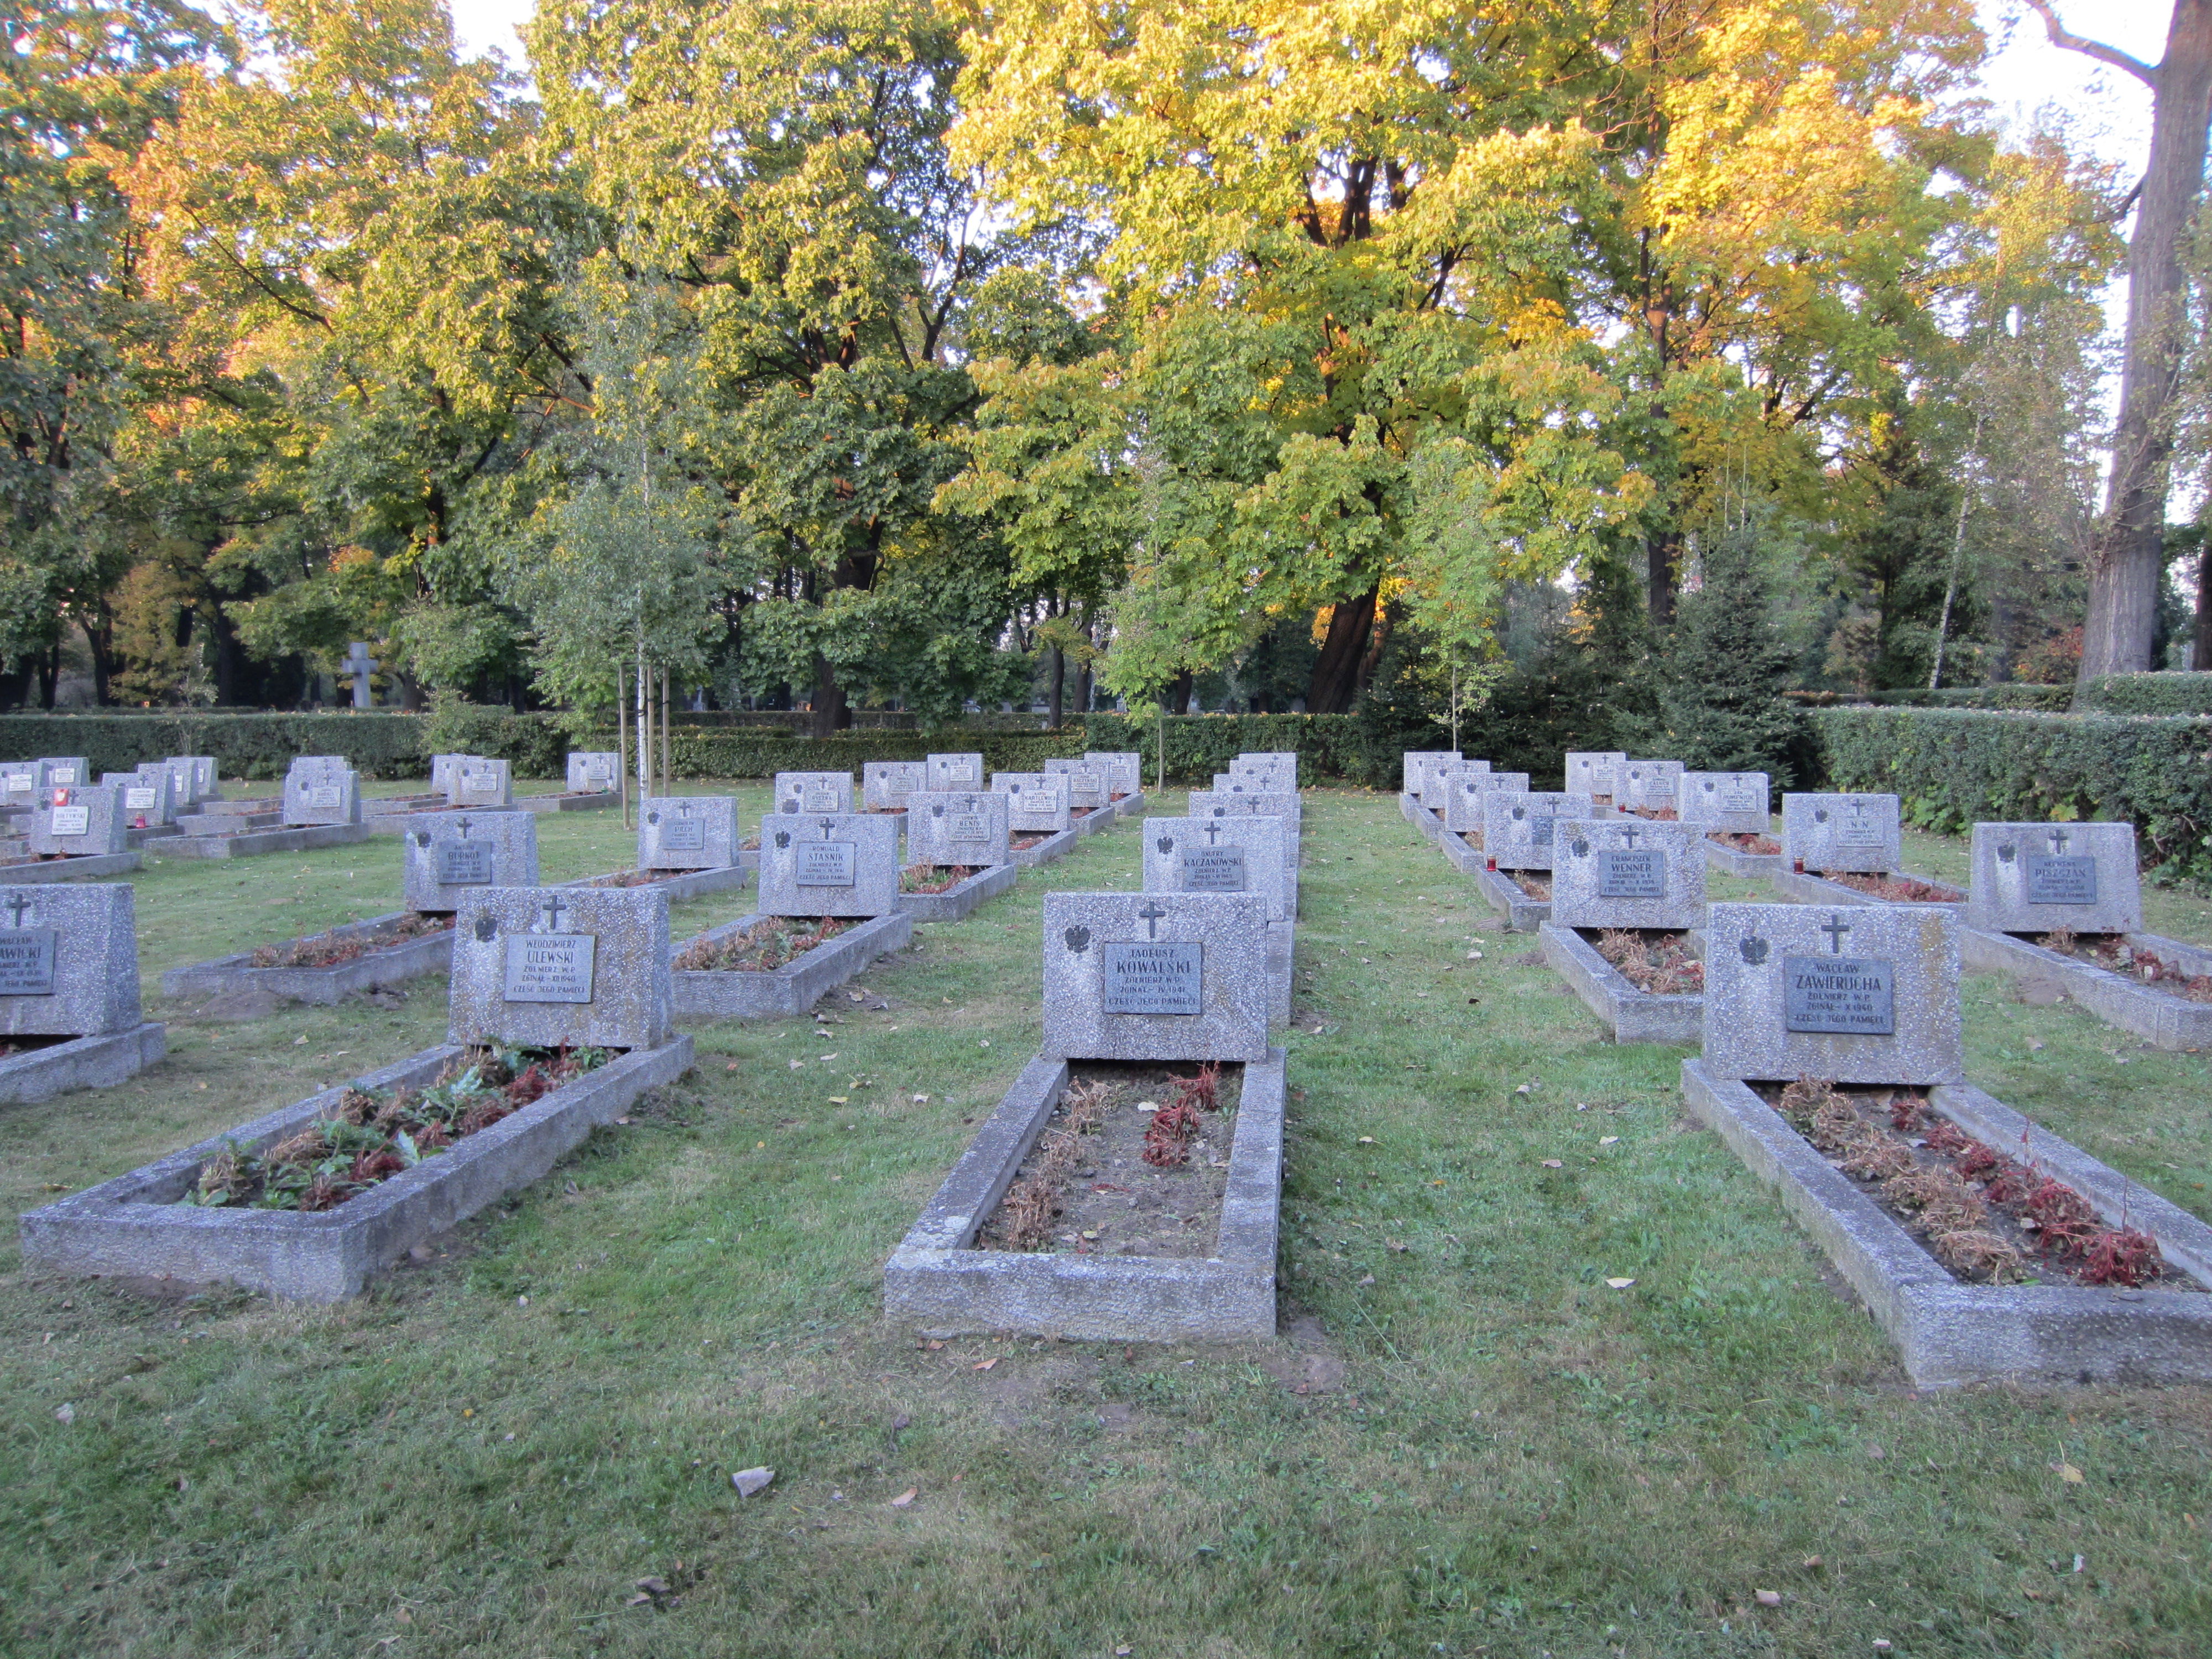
pixel 1128 1186
pixel 61 826
pixel 1832 1058
pixel 563 1005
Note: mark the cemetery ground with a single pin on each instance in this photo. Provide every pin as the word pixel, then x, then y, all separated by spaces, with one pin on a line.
pixel 1556 1375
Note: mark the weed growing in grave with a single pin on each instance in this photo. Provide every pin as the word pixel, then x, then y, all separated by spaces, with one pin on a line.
pixel 1535 885
pixel 329 949
pixel 1660 965
pixel 1898 889
pixel 1745 841
pixel 1026 1214
pixel 934 877
pixel 375 1136
pixel 765 945
pixel 2114 952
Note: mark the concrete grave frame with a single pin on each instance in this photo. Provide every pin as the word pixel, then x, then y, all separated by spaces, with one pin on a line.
pixel 93 996
pixel 1050 850
pixel 1948 1333
pixel 1520 913
pixel 133 1226
pixel 596 801
pixel 2165 1020
pixel 936 1282
pixel 961 899
pixel 1632 1015
pixel 1807 889
pixel 792 989
pixel 1753 866
pixel 431 953
pixel 88 867
pixel 679 884
pixel 252 843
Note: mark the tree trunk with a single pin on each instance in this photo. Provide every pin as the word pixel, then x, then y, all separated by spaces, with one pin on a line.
pixel 2200 656
pixel 830 714
pixel 1178 700
pixel 1057 683
pixel 2128 563
pixel 1662 555
pixel 50 673
pixel 1336 668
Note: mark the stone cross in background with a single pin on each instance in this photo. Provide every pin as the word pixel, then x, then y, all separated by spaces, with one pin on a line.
pixel 361 666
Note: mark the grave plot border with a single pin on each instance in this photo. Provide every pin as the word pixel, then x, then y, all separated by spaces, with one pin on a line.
pixel 1052 849
pixel 1126 806
pixel 1429 821
pixel 153 832
pixel 1803 887
pixel 679 885
pixel 395 815
pixel 432 953
pixel 1755 866
pixel 133 1225
pixel 1946 1333
pixel 1281 970
pixel 583 800
pixel 796 987
pixel 962 900
pixel 2164 1020
pixel 1522 914
pixel 1091 823
pixel 1635 1015
pixel 253 843
pixel 100 1061
pixel 936 1282
pixel 76 867
pixel 1462 858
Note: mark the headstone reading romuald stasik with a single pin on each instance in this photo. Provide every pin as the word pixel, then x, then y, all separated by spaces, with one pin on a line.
pixel 1162 977
pixel 942 772
pixel 449 854
pixel 885 785
pixel 949 827
pixel 1648 785
pixel 829 864
pixel 1626 872
pixel 1243 854
pixel 688 832
pixel 1036 802
pixel 1595 771
pixel 68 960
pixel 1518 830
pixel 80 822
pixel 2039 877
pixel 814 792
pixel 1416 763
pixel 1727 803
pixel 593 771
pixel 1853 834
pixel 1086 783
pixel 321 789
pixel 548 966
pixel 1462 801
pixel 1853 993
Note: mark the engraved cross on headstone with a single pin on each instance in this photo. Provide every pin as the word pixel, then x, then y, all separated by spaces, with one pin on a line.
pixel 828 824
pixel 1835 927
pixel 1629 835
pixel 361 666
pixel 555 904
pixel 2058 840
pixel 1151 914
pixel 1213 834
pixel 16 905
pixel 463 826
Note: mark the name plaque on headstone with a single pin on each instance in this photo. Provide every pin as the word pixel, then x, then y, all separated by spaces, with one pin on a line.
pixel 1634 873
pixel 27 961
pixel 62 775
pixel 138 800
pixel 826 863
pixel 464 863
pixel 1218 869
pixel 959 772
pixel 1540 830
pixel 1087 783
pixel 1848 996
pixel 323 797
pixel 966 826
pixel 2069 879
pixel 684 835
pixel 1739 799
pixel 72 820
pixel 549 966
pixel 1859 831
pixel 1662 785
pixel 1163 977
pixel 596 775
pixel 818 797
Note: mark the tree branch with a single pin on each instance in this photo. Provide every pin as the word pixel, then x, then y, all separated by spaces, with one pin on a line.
pixel 2096 49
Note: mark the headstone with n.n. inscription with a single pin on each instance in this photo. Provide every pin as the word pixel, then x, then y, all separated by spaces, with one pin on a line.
pixel 688 832
pixel 482 783
pixel 593 771
pixel 1852 993
pixel 885 784
pixel 1518 830
pixel 1462 810
pixel 79 822
pixel 68 960
pixel 2039 877
pixel 1628 872
pixel 943 772
pixel 1595 772
pixel 1239 854
pixel 954 827
pixel 829 864
pixel 450 854
pixel 1159 976
pixel 321 789
pixel 1087 790
pixel 1850 833
pixel 1036 802
pixel 1727 803
pixel 555 966
pixel 1648 785
pixel 814 792
pixel 1124 769
pixel 1416 762
pixel 149 795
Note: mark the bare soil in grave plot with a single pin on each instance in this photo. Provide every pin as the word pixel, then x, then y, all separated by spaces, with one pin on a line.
pixel 329 949
pixel 1536 884
pixel 1897 889
pixel 1744 842
pixel 768 945
pixel 1653 959
pixel 934 877
pixel 1086 1187
pixel 2147 967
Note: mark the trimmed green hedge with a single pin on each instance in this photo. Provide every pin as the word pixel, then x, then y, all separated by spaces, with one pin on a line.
pixel 1339 747
pixel 380 743
pixel 2151 694
pixel 1953 767
pixel 754 752
pixel 2048 699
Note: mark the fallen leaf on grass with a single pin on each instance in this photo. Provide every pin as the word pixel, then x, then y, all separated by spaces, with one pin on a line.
pixel 1367 1140
pixel 1620 1284
pixel 1767 1598
pixel 985 1364
pixel 65 1414
pixel 2068 1474
pixel 749 1481
pixel 921 1100
pixel 906 1498
pixel 838 1100
pixel 1811 1562
pixel 1369 1280
pixel 797 1065
pixel 653 1586
pixel 1396 1246
pixel 1607 1141
pixel 1553 1163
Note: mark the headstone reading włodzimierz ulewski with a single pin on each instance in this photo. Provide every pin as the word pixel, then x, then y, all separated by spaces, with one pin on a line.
pixel 548 966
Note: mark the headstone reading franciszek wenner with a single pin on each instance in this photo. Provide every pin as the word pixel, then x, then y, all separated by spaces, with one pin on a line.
pixel 1462 802
pixel 1595 771
pixel 2039 877
pixel 941 772
pixel 1726 802
pixel 885 784
pixel 829 864
pixel 68 960
pixel 1164 976
pixel 80 822
pixel 321 789
pixel 593 771
pixel 450 854
pixel 1518 830
pixel 688 832
pixel 1626 872
pixel 1854 993
pixel 1648 785
pixel 1853 834
pixel 547 966
pixel 814 792
pixel 949 827
pixel 1240 853
pixel 1087 788
pixel 1036 802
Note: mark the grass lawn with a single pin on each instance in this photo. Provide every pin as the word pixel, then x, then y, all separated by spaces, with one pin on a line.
pixel 1464 1442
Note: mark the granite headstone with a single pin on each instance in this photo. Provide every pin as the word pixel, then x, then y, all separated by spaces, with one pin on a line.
pixel 2039 877
pixel 829 864
pixel 1727 803
pixel 943 772
pixel 1595 772
pixel 79 821
pixel 1087 788
pixel 1518 830
pixel 1238 854
pixel 1857 834
pixel 688 832
pixel 1626 872
pixel 885 784
pixel 1462 803
pixel 451 854
pixel 68 960
pixel 815 792
pixel 1648 785
pixel 1036 802
pixel 552 966
pixel 593 771
pixel 949 827
pixel 1156 976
